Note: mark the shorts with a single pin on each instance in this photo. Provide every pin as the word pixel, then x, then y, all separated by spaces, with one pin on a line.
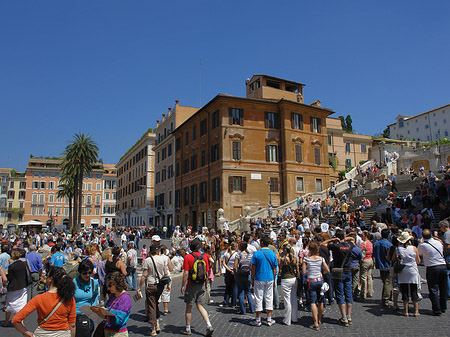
pixel 343 289
pixel 195 293
pixel 263 292
pixel 409 290
pixel 314 292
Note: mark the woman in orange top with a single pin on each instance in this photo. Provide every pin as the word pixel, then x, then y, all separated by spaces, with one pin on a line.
pixel 62 322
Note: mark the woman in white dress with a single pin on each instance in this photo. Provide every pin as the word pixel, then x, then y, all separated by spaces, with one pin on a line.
pixel 409 277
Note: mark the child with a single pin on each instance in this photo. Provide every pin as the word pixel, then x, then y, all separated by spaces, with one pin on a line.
pixel 144 253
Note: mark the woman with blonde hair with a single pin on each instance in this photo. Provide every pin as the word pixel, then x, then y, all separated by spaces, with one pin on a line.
pixel 289 271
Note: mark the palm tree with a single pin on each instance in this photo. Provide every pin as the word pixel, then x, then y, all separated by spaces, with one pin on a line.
pixel 80 155
pixel 66 190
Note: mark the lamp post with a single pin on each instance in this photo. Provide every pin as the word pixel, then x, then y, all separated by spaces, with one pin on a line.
pixel 270 199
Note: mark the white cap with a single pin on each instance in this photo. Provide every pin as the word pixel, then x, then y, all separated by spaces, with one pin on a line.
pixel 156 238
pixel 324 227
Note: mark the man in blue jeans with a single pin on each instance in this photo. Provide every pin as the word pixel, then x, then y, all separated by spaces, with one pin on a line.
pixel 341 250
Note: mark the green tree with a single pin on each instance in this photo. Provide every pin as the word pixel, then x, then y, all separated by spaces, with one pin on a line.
pixel 346 123
pixel 65 190
pixel 387 133
pixel 79 156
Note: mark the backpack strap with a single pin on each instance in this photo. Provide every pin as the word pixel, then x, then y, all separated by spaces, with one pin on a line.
pixel 51 313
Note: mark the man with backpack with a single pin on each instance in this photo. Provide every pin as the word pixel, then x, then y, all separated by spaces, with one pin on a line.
pixel 193 287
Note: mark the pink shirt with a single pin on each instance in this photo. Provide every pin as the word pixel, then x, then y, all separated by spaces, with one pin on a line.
pixel 367 246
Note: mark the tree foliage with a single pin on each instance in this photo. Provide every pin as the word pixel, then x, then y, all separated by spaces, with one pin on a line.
pixel 387 133
pixel 346 123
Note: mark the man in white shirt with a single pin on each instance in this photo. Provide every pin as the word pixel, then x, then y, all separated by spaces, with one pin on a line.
pixel 306 223
pixel 432 252
pixel 123 238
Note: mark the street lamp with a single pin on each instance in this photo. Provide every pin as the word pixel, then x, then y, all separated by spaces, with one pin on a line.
pixel 270 198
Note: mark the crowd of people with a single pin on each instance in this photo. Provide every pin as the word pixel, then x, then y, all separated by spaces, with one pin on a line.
pixel 313 256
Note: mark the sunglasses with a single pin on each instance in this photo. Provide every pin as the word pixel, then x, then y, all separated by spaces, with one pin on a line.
pixel 86 273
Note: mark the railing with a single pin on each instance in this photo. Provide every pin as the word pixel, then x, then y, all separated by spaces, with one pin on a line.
pixel 340 187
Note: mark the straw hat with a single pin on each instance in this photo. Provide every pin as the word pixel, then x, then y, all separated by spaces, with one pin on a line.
pixel 405 237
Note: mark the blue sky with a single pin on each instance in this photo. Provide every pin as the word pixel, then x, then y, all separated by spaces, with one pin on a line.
pixel 111 68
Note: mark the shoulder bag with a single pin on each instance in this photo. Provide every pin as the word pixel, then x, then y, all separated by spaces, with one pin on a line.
pixel 338 273
pixel 100 330
pixel 165 279
pixel 39 330
pixel 397 265
pixel 84 325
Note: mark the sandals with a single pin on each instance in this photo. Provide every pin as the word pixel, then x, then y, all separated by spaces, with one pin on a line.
pixel 316 328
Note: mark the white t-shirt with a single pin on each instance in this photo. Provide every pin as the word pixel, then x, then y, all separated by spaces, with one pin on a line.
pixel 431 256
pixel 229 259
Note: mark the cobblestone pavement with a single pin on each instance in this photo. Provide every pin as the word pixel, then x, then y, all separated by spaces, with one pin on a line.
pixel 369 319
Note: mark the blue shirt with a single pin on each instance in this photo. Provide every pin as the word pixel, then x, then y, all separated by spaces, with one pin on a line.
pixel 355 256
pixel 35 262
pixel 84 294
pixel 58 259
pixel 265 261
pixel 380 251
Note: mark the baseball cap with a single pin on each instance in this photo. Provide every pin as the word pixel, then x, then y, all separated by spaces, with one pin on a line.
pixel 156 238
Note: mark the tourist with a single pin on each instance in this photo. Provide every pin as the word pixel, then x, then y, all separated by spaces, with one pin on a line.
pixel 289 270
pixel 366 267
pixel 51 322
pixel 36 268
pixel 380 253
pixel 242 270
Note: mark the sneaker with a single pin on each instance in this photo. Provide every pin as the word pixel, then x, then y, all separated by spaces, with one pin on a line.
pixel 209 332
pixel 255 323
pixel 186 332
pixel 271 322
pixel 349 320
pixel 343 322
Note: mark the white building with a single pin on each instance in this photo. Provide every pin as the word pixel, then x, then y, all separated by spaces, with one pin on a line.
pixel 427 126
pixel 164 150
pixel 135 184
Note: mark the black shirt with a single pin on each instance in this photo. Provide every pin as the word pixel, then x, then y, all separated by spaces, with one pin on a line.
pixel 17 275
pixel 340 252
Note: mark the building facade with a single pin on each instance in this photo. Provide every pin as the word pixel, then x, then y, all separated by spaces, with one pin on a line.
pixel 16 198
pixel 427 126
pixel 165 162
pixel 4 183
pixel 265 149
pixel 42 202
pixel 109 196
pixel 135 184
pixel 346 149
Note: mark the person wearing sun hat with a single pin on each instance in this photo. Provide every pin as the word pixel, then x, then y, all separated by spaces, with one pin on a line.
pixel 409 277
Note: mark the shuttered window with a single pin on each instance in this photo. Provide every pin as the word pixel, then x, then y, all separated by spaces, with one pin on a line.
pixel 236 116
pixel 237 184
pixel 237 150
pixel 298 153
pixel 296 121
pixel 316 125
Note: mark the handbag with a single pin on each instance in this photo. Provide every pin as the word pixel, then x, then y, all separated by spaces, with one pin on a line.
pixel 338 272
pixel 397 265
pixel 163 280
pixel 100 330
pixel 84 325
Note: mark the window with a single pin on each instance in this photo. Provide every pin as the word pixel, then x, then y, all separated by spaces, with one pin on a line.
pixel 445 122
pixel 426 126
pixel 11 194
pixel 348 163
pixel 272 120
pixel 298 153
pixel 185 166
pixel 237 184
pixel 163 154
pixel 237 150
pixel 363 148
pixel 299 184
pixel 347 147
pixel 98 186
pixel 97 199
pixel 186 196
pixel 236 116
pixel 214 153
pixel 400 123
pixel 193 162
pixel 42 185
pixel 97 210
pixel 215 119
pixel 88 211
pixel 163 174
pixel 194 194
pixel 11 184
pixel 316 125
pixel 169 150
pixel 177 198
pixel 318 185
pixel 272 153
pixel 157 177
pixel 178 144
pixel 89 186
pixel 194 132
pixel 186 140
pixel 51 197
pixel 23 184
pixel 203 158
pixel 177 169
pixel 170 171
pixel 273 84
pixel 41 198
pixel 446 133
pixel 203 192
pixel 157 158
pixel 317 156
pixel 35 184
pixel 273 183
pixel 215 189
pixel 417 129
pixel 296 121
pixel 329 139
pixel 170 197
pixel 22 195
pixel 203 127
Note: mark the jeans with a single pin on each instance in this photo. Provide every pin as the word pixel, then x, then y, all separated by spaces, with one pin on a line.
pixel 314 289
pixel 329 293
pixel 343 289
pixel 289 294
pixel 437 287
pixel 243 285
pixel 131 278
pixel 276 298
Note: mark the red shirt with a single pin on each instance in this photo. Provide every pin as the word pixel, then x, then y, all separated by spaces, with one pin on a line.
pixel 188 263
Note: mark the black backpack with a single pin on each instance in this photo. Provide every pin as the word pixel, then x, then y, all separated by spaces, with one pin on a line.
pixel 244 266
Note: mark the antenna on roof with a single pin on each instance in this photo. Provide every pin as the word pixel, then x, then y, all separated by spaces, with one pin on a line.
pixel 200 83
